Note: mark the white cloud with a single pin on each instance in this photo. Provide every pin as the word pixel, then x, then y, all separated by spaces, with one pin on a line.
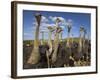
pixel 62 27
pixel 30 34
pixel 44 26
pixel 25 34
pixel 54 18
pixel 47 24
pixel 63 20
pixel 44 19
pixel 34 23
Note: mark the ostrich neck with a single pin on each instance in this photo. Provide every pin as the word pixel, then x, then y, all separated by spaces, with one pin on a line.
pixel 36 36
pixel 50 41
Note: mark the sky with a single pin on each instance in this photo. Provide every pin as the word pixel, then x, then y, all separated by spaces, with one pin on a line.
pixel 48 19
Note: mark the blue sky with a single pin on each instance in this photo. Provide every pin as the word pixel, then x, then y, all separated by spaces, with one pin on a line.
pixel 48 19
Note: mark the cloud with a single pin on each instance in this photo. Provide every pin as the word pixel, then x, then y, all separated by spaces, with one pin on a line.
pixel 28 36
pixel 44 19
pixel 54 18
pixel 63 20
pixel 34 23
pixel 47 24
pixel 25 34
pixel 44 26
pixel 62 27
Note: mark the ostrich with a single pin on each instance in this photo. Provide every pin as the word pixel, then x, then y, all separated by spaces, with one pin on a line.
pixel 56 44
pixel 35 55
pixel 51 29
pixel 56 40
pixel 85 32
pixel 85 45
pixel 81 38
pixel 80 47
pixel 69 27
pixel 48 52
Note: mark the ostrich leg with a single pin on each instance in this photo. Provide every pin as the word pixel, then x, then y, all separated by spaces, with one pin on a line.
pixel 35 55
